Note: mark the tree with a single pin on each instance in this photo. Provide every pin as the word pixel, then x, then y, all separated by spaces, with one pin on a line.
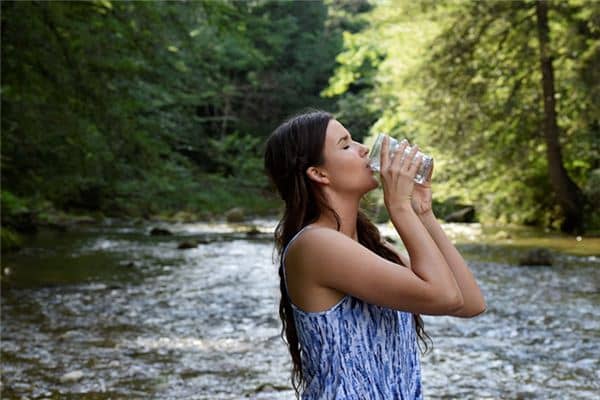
pixel 463 80
pixel 107 104
pixel 568 193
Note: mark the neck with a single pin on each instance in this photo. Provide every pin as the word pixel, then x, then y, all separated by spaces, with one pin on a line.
pixel 347 210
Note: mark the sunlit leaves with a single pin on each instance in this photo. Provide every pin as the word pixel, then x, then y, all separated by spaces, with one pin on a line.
pixel 462 80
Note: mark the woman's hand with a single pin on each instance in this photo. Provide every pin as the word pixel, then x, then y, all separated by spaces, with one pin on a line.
pixel 397 175
pixel 421 197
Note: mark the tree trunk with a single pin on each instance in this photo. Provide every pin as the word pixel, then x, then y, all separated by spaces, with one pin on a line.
pixel 568 194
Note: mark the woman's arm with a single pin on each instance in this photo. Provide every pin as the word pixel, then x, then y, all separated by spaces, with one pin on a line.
pixel 403 258
pixel 474 303
pixel 330 259
pixel 422 249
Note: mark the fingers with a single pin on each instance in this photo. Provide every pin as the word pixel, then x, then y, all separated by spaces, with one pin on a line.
pixel 408 163
pixel 398 157
pixel 398 162
pixel 415 161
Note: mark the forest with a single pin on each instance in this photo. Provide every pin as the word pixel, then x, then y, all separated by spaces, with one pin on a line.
pixel 161 109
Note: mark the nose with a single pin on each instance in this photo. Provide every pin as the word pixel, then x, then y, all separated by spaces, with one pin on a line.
pixel 364 150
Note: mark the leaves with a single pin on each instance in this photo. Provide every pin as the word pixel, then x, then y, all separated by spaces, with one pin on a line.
pixel 101 94
pixel 462 80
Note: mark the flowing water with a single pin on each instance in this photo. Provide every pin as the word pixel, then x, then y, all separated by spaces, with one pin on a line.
pixel 110 312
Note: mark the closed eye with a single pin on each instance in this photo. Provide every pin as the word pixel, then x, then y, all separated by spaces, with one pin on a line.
pixel 345 138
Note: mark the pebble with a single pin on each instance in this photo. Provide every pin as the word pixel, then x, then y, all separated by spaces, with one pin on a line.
pixel 72 376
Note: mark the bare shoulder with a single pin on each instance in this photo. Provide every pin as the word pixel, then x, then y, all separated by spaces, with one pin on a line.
pixel 303 269
pixel 317 245
pixel 327 264
pixel 325 259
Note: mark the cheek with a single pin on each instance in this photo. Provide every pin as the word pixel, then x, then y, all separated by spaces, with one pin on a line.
pixel 349 176
pixel 344 168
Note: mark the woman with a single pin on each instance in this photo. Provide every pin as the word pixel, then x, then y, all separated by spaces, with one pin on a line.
pixel 349 309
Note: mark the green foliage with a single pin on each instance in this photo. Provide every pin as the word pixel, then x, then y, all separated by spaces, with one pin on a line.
pixel 138 108
pixel 354 79
pixel 10 239
pixel 11 204
pixel 463 81
pixel 238 155
pixel 483 81
pixel 117 106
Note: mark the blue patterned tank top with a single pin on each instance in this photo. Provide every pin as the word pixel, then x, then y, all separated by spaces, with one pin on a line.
pixel 356 350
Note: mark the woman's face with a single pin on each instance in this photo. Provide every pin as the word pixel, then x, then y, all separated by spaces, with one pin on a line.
pixel 346 162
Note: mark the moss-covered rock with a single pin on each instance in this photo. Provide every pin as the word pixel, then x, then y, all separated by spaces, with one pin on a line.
pixel 184 216
pixel 236 214
pixel 537 256
pixel 11 241
pixel 466 214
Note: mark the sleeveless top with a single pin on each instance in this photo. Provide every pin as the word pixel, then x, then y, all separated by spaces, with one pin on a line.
pixel 356 350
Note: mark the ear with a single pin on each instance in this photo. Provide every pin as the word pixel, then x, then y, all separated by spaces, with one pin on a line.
pixel 317 175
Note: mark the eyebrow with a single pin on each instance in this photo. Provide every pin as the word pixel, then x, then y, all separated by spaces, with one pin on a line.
pixel 343 138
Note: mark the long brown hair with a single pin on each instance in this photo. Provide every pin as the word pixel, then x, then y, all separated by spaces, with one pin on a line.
pixel 294 146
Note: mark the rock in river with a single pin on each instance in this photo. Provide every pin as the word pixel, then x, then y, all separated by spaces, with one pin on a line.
pixel 160 232
pixel 72 376
pixel 537 256
pixel 188 244
pixel 466 214
pixel 235 215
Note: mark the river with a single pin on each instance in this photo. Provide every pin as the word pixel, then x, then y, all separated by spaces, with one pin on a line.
pixel 111 312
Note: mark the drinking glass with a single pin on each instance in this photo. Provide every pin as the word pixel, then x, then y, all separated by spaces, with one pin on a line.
pixel 375 162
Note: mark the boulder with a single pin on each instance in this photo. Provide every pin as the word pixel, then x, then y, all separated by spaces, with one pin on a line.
pixel 252 231
pixel 187 244
pixel 235 214
pixel 466 214
pixel 160 232
pixel 539 256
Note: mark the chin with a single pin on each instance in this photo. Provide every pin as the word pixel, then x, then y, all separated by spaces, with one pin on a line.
pixel 374 185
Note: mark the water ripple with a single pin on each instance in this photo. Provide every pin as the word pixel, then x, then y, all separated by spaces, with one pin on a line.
pixel 151 321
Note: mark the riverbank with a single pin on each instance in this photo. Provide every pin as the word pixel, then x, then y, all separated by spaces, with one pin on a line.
pixel 22 219
pixel 485 242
